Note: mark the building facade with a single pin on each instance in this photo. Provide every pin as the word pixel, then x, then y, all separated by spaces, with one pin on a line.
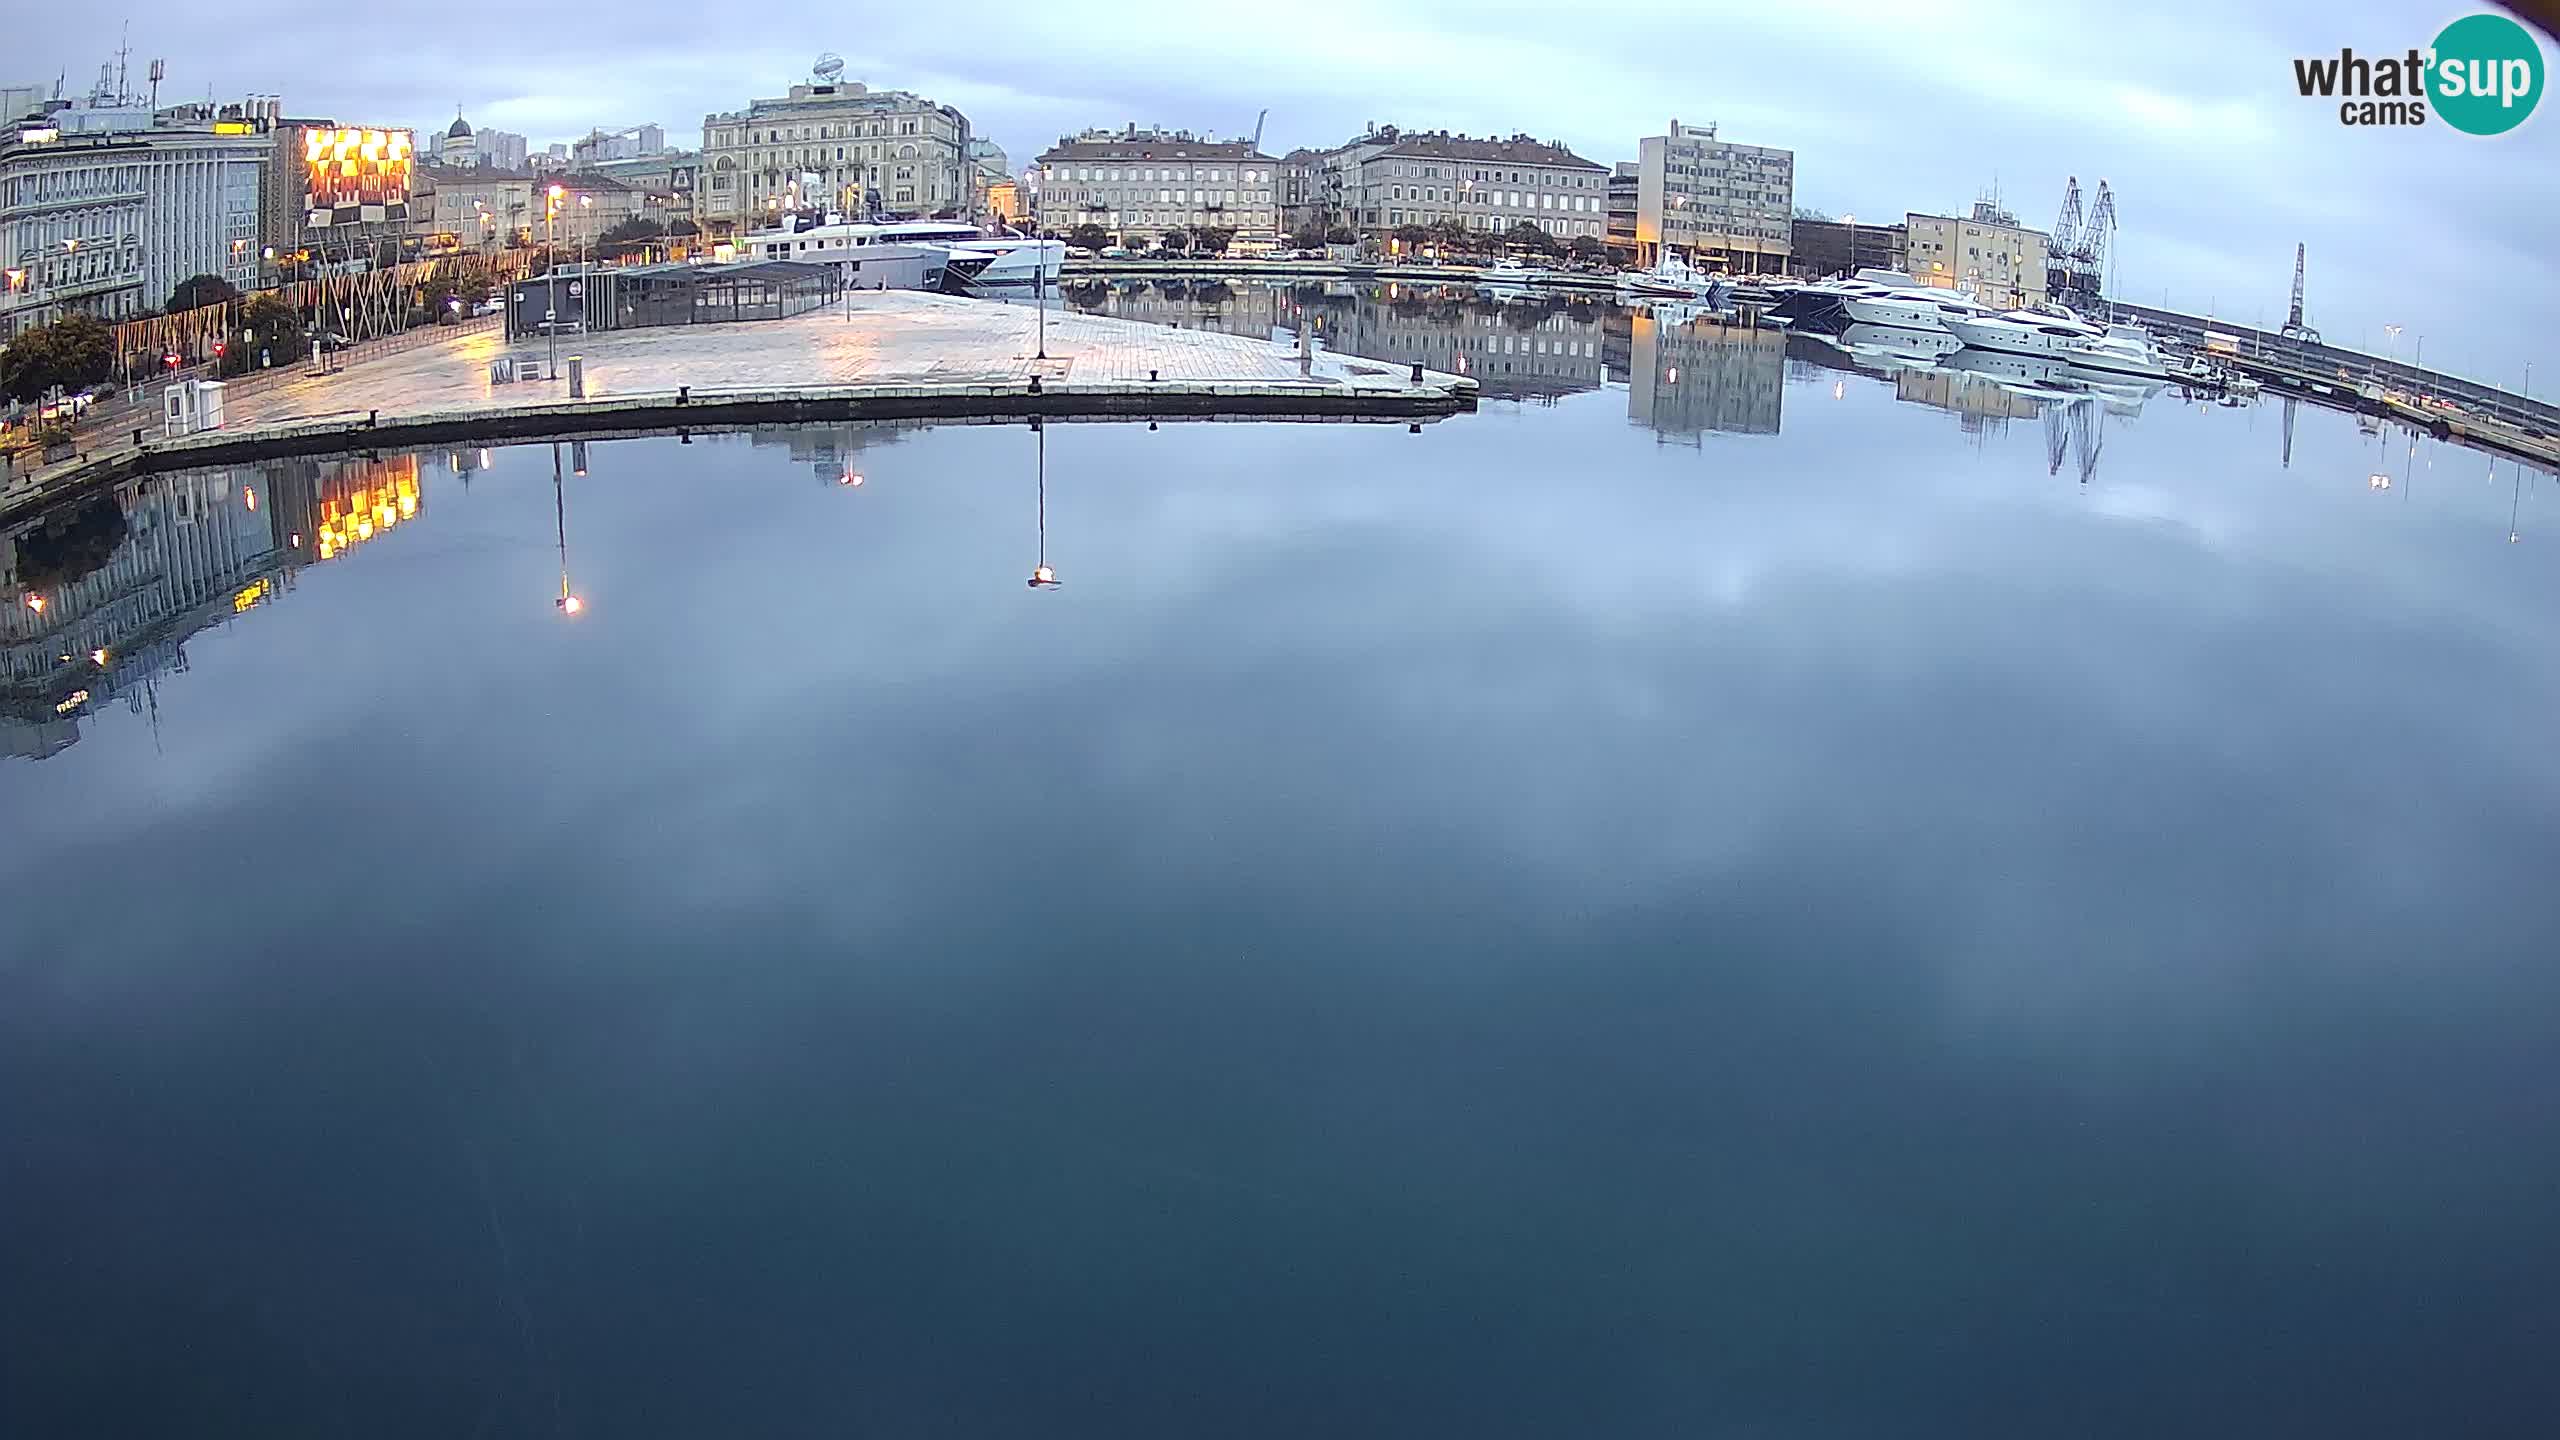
pixel 840 147
pixel 1480 184
pixel 665 182
pixel 1712 202
pixel 1987 255
pixel 1820 249
pixel 499 147
pixel 1624 185
pixel 105 215
pixel 1140 183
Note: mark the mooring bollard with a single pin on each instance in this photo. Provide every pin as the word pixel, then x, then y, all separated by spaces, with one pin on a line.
pixel 1417 372
pixel 373 417
pixel 1035 384
pixel 684 393
pixel 1151 374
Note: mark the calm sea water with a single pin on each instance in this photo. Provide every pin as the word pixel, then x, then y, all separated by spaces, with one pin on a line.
pixel 1740 891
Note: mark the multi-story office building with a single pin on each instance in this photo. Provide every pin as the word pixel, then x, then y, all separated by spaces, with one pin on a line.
pixel 1140 183
pixel 1487 184
pixel 1713 202
pixel 833 146
pixel 1823 248
pixel 1986 254
pixel 104 209
pixel 1624 186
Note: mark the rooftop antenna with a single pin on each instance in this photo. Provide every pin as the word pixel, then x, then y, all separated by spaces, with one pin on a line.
pixel 159 71
pixel 124 50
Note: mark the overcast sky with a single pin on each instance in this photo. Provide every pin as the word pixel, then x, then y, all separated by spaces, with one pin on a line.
pixel 2188 109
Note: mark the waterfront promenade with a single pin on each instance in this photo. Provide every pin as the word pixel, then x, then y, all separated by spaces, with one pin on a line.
pixel 885 354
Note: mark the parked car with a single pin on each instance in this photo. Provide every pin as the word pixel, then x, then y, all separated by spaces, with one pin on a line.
pixel 1078 252
pixel 1115 252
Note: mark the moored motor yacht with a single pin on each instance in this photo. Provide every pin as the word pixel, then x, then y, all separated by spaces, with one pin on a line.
pixel 2113 349
pixel 1918 308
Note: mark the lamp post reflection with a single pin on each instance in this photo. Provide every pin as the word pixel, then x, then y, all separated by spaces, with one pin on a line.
pixel 1042 577
pixel 569 603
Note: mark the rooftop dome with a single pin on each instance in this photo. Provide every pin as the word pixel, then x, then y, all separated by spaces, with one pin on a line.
pixel 461 129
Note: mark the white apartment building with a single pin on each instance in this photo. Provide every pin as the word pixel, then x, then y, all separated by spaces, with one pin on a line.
pixel 1713 202
pixel 108 221
pixel 1987 255
pixel 1487 184
pixel 833 146
pixel 1140 183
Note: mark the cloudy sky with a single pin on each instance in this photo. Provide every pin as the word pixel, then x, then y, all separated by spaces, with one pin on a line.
pixel 2188 109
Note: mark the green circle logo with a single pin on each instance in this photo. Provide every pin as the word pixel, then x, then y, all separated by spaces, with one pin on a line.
pixel 2485 75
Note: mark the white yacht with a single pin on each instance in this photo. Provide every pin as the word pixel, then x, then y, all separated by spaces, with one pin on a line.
pixel 1918 308
pixel 2120 350
pixel 972 258
pixel 1511 272
pixel 1670 276
pixel 1819 303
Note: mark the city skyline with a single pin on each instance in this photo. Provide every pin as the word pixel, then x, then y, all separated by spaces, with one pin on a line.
pixel 2188 111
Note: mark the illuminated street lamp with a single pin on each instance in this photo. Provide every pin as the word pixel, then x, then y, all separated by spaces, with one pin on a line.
pixel 35 603
pixel 551 273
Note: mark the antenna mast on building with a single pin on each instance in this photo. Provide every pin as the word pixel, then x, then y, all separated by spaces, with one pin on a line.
pixel 159 69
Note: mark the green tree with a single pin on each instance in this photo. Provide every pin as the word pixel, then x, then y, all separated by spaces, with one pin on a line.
pixel 1212 239
pixel 1177 238
pixel 71 353
pixel 1588 247
pixel 1342 235
pixel 1307 237
pixel 274 336
pixel 199 290
pixel 1410 236
pixel 684 230
pixel 1089 237
pixel 634 231
pixel 1525 236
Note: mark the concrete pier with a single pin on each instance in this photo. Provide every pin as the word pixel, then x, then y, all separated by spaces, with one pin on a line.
pixel 884 355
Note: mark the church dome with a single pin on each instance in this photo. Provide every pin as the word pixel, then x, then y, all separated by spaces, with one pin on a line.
pixel 461 129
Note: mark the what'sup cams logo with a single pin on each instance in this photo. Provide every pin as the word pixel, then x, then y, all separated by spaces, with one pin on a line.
pixel 2482 76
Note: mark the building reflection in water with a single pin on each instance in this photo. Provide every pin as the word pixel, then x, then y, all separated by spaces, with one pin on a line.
pixel 126 578
pixel 1690 375
pixel 1517 344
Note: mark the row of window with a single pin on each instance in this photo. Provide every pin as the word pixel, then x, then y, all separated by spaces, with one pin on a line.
pixel 1117 195
pixel 1510 199
pixel 1562 180
pixel 1491 222
pixel 1249 176
pixel 56 184
pixel 781 133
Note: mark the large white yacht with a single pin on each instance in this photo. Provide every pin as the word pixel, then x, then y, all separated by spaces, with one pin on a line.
pixel 974 260
pixel 1918 308
pixel 2113 349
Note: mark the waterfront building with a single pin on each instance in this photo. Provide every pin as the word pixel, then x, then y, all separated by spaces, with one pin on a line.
pixel 1138 184
pixel 1004 201
pixel 1712 202
pixel 1301 197
pixel 1483 184
pixel 837 146
pixel 1986 254
pixel 105 207
pixel 1624 186
pixel 1819 249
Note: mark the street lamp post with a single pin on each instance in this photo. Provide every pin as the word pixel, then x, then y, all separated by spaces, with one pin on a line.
pixel 551 276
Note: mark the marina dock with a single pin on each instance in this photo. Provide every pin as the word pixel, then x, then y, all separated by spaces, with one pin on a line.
pixel 882 355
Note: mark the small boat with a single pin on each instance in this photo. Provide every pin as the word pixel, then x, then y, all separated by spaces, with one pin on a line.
pixel 1671 276
pixel 1511 272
